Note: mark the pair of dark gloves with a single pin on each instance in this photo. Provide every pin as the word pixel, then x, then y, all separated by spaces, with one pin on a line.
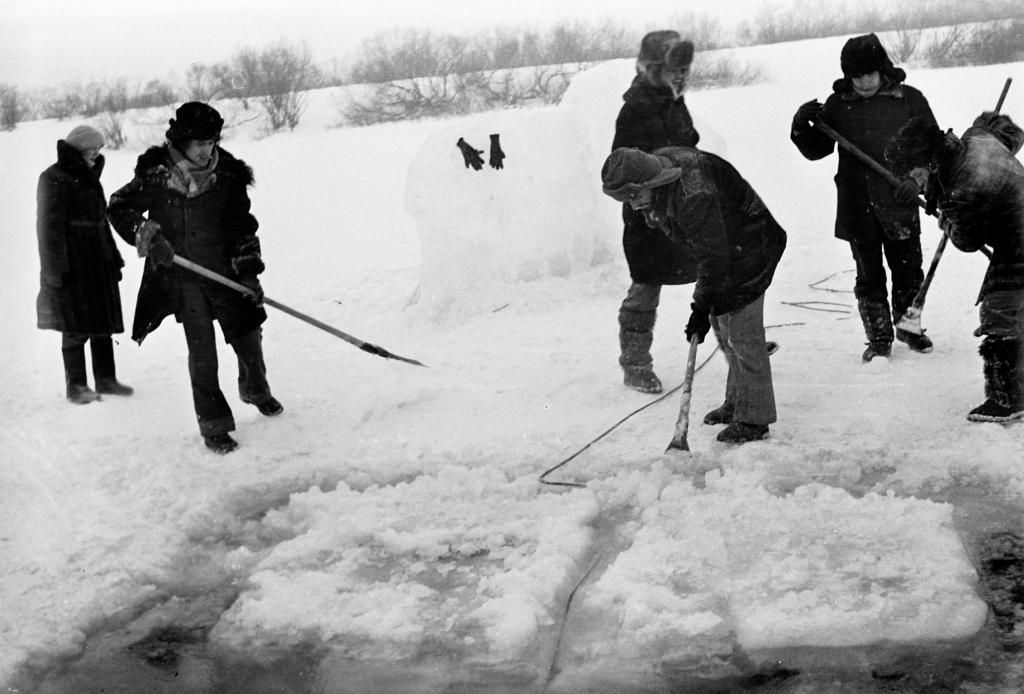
pixel 472 157
pixel 247 261
pixel 905 192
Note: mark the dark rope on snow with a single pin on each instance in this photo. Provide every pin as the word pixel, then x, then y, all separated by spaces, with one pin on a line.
pixel 809 305
pixel 553 670
pixel 814 285
pixel 623 420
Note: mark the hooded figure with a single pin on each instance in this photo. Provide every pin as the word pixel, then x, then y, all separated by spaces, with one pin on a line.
pixel 868 105
pixel 653 115
pixel 977 183
pixel 80 266
pixel 189 198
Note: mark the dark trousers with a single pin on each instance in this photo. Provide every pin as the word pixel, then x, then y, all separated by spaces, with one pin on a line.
pixel 212 410
pixel 72 347
pixel 904 259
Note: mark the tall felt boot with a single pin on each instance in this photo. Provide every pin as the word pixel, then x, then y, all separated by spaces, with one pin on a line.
pixel 636 334
pixel 78 390
pixel 103 369
pixel 1004 381
pixel 874 314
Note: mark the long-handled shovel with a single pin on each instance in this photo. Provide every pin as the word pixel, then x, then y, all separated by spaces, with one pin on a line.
pixel 679 442
pixel 221 279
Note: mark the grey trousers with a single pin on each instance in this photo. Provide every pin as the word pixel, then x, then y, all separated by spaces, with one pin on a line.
pixel 748 387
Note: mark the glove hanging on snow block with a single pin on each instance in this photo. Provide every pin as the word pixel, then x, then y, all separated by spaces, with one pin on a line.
pixel 496 154
pixel 247 259
pixel 471 155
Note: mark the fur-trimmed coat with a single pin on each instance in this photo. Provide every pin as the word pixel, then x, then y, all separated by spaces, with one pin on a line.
pixel 651 117
pixel 716 215
pixel 80 266
pixel 205 229
pixel 869 124
pixel 983 203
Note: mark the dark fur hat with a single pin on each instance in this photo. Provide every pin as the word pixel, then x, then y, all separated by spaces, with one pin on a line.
pixel 862 55
pixel 918 143
pixel 195 121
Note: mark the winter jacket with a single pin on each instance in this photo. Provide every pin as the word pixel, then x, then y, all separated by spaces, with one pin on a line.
pixel 80 265
pixel 983 204
pixel 205 228
pixel 869 124
pixel 713 212
pixel 651 118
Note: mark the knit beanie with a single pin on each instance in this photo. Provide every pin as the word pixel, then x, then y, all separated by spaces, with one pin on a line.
pixel 85 137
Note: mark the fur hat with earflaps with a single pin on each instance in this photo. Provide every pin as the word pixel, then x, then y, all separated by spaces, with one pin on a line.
pixel 865 54
pixel 653 47
pixel 195 121
pixel 628 170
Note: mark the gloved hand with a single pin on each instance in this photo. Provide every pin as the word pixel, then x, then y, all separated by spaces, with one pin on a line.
pixel 253 284
pixel 247 259
pixel 144 234
pixel 471 155
pixel 806 115
pixel 699 323
pixel 906 192
pixel 496 154
pixel 161 252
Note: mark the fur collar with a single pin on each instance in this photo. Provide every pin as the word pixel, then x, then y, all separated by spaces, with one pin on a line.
pixel 227 165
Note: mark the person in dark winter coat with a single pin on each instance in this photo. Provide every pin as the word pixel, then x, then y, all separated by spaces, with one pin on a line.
pixel 977 184
pixel 189 198
pixel 699 201
pixel 80 266
pixel 868 106
pixel 653 115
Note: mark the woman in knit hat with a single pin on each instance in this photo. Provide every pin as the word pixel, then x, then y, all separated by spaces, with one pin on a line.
pixel 868 106
pixel 80 266
pixel 653 115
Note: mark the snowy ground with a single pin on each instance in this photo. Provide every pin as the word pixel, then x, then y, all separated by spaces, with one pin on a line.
pixel 393 515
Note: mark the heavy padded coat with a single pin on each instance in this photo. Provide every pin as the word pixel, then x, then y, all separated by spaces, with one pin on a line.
pixel 80 266
pixel 205 229
pixel 869 124
pixel 722 222
pixel 650 117
pixel 984 205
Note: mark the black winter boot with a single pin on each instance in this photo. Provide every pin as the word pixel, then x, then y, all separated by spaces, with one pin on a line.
pixel 78 390
pixel 874 314
pixel 1004 381
pixel 721 414
pixel 103 367
pixel 636 333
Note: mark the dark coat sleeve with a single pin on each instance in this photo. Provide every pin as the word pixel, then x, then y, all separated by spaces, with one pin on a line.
pixel 126 209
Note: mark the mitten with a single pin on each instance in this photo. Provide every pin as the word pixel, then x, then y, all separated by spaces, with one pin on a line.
pixel 251 283
pixel 471 155
pixel 144 234
pixel 699 323
pixel 161 252
pixel 247 259
pixel 806 115
pixel 496 154
pixel 906 192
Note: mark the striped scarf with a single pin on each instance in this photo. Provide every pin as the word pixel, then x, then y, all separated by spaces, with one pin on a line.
pixel 191 178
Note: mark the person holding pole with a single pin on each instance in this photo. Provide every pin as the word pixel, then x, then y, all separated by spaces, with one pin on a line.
pixel 977 184
pixel 879 220
pixel 189 200
pixel 700 201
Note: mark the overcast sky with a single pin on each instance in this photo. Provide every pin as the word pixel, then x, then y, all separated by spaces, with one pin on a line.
pixel 50 42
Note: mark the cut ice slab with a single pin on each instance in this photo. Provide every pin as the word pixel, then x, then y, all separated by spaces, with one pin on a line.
pixel 734 566
pixel 462 562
